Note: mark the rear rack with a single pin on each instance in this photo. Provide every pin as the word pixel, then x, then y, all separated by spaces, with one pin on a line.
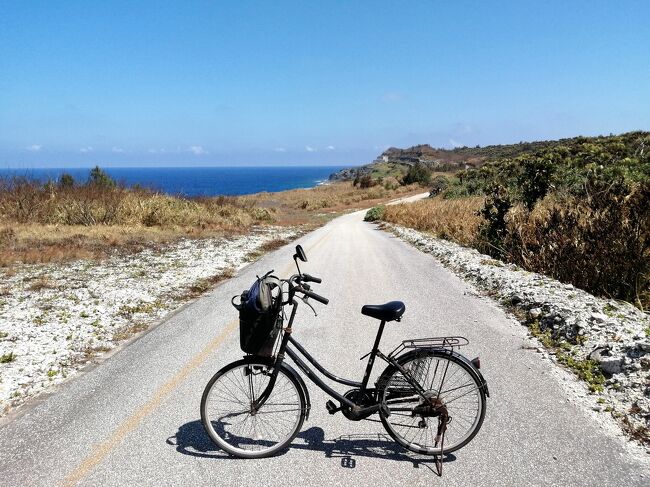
pixel 448 343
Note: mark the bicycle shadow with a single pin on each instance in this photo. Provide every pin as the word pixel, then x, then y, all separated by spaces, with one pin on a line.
pixel 191 439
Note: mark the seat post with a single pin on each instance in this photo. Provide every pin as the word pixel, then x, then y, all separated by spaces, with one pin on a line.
pixel 373 353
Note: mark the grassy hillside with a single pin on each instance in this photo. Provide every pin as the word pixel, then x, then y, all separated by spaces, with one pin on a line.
pixel 395 162
pixel 578 210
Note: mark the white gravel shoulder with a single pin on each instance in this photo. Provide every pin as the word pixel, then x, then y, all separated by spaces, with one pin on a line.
pixel 55 317
pixel 613 333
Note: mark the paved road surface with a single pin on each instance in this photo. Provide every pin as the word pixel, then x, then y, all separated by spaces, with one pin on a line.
pixel 134 420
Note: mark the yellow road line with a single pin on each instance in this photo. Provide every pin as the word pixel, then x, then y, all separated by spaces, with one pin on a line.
pixel 102 450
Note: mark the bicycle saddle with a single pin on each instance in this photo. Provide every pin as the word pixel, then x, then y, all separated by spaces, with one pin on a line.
pixel 386 312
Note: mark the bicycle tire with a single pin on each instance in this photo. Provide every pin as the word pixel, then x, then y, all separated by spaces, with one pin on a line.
pixel 391 379
pixel 222 433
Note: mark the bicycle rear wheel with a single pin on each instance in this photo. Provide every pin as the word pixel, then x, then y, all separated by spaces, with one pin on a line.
pixel 448 380
pixel 235 426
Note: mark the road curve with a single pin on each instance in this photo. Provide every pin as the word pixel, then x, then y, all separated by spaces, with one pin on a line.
pixel 134 420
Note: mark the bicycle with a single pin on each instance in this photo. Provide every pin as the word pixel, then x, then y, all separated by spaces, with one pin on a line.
pixel 430 399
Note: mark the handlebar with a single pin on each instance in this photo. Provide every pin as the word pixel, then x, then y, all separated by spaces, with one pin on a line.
pixel 298 284
pixel 308 278
pixel 313 295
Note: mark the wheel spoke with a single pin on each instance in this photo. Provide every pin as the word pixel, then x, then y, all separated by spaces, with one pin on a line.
pixel 235 426
pixel 444 378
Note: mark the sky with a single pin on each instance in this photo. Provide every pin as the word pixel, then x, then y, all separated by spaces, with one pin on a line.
pixel 142 83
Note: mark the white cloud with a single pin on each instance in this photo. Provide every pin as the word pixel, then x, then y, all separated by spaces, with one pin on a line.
pixel 197 150
pixel 117 150
pixel 86 149
pixel 309 149
pixel 454 143
pixel 280 149
pixel 34 148
pixel 330 147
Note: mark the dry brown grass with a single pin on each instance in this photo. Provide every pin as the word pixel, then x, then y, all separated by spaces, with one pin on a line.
pixel 304 205
pixel 38 243
pixel 274 244
pixel 597 243
pixel 42 224
pixel 40 284
pixel 203 285
pixel 454 219
pixel 29 202
pixel 129 331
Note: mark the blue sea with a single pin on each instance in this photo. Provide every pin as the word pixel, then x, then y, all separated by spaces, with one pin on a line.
pixel 197 181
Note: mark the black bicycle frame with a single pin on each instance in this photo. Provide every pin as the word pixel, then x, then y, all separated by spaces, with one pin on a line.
pixel 363 385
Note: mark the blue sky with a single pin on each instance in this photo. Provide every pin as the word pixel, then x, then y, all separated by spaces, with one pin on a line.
pixel 233 83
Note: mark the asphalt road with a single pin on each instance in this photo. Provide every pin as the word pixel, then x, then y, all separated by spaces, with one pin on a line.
pixel 134 420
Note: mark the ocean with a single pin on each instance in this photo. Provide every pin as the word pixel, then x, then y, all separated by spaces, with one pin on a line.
pixel 197 181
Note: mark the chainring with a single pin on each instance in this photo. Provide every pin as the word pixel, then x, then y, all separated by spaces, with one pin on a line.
pixel 362 399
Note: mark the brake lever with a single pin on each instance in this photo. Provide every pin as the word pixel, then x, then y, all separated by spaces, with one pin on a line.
pixel 305 300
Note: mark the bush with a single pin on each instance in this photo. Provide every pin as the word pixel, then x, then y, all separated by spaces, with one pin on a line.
pixel 493 229
pixel 390 183
pixel 375 213
pixel 99 177
pixel 600 243
pixel 366 182
pixel 577 210
pixel 418 173
pixel 66 181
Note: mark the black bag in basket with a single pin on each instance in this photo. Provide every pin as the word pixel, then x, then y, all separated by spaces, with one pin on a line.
pixel 259 315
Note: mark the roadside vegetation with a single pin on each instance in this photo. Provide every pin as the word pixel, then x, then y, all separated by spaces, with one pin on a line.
pixel 67 219
pixel 577 210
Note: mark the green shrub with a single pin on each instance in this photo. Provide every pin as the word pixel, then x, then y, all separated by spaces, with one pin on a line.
pixel 66 181
pixel 494 229
pixel 99 177
pixel 418 173
pixel 374 214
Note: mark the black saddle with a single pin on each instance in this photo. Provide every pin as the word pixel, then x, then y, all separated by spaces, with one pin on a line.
pixel 385 312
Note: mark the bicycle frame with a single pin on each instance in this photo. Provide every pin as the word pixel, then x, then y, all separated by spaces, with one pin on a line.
pixel 355 409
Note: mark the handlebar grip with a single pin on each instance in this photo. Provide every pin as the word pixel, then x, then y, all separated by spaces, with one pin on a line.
pixel 315 296
pixel 308 278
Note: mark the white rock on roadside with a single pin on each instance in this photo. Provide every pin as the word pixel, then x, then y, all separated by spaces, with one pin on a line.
pixel 48 332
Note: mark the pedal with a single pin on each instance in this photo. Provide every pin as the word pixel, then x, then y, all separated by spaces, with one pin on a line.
pixel 331 407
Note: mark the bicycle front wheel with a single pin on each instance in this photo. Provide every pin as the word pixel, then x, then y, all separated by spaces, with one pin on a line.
pixel 447 381
pixel 233 423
